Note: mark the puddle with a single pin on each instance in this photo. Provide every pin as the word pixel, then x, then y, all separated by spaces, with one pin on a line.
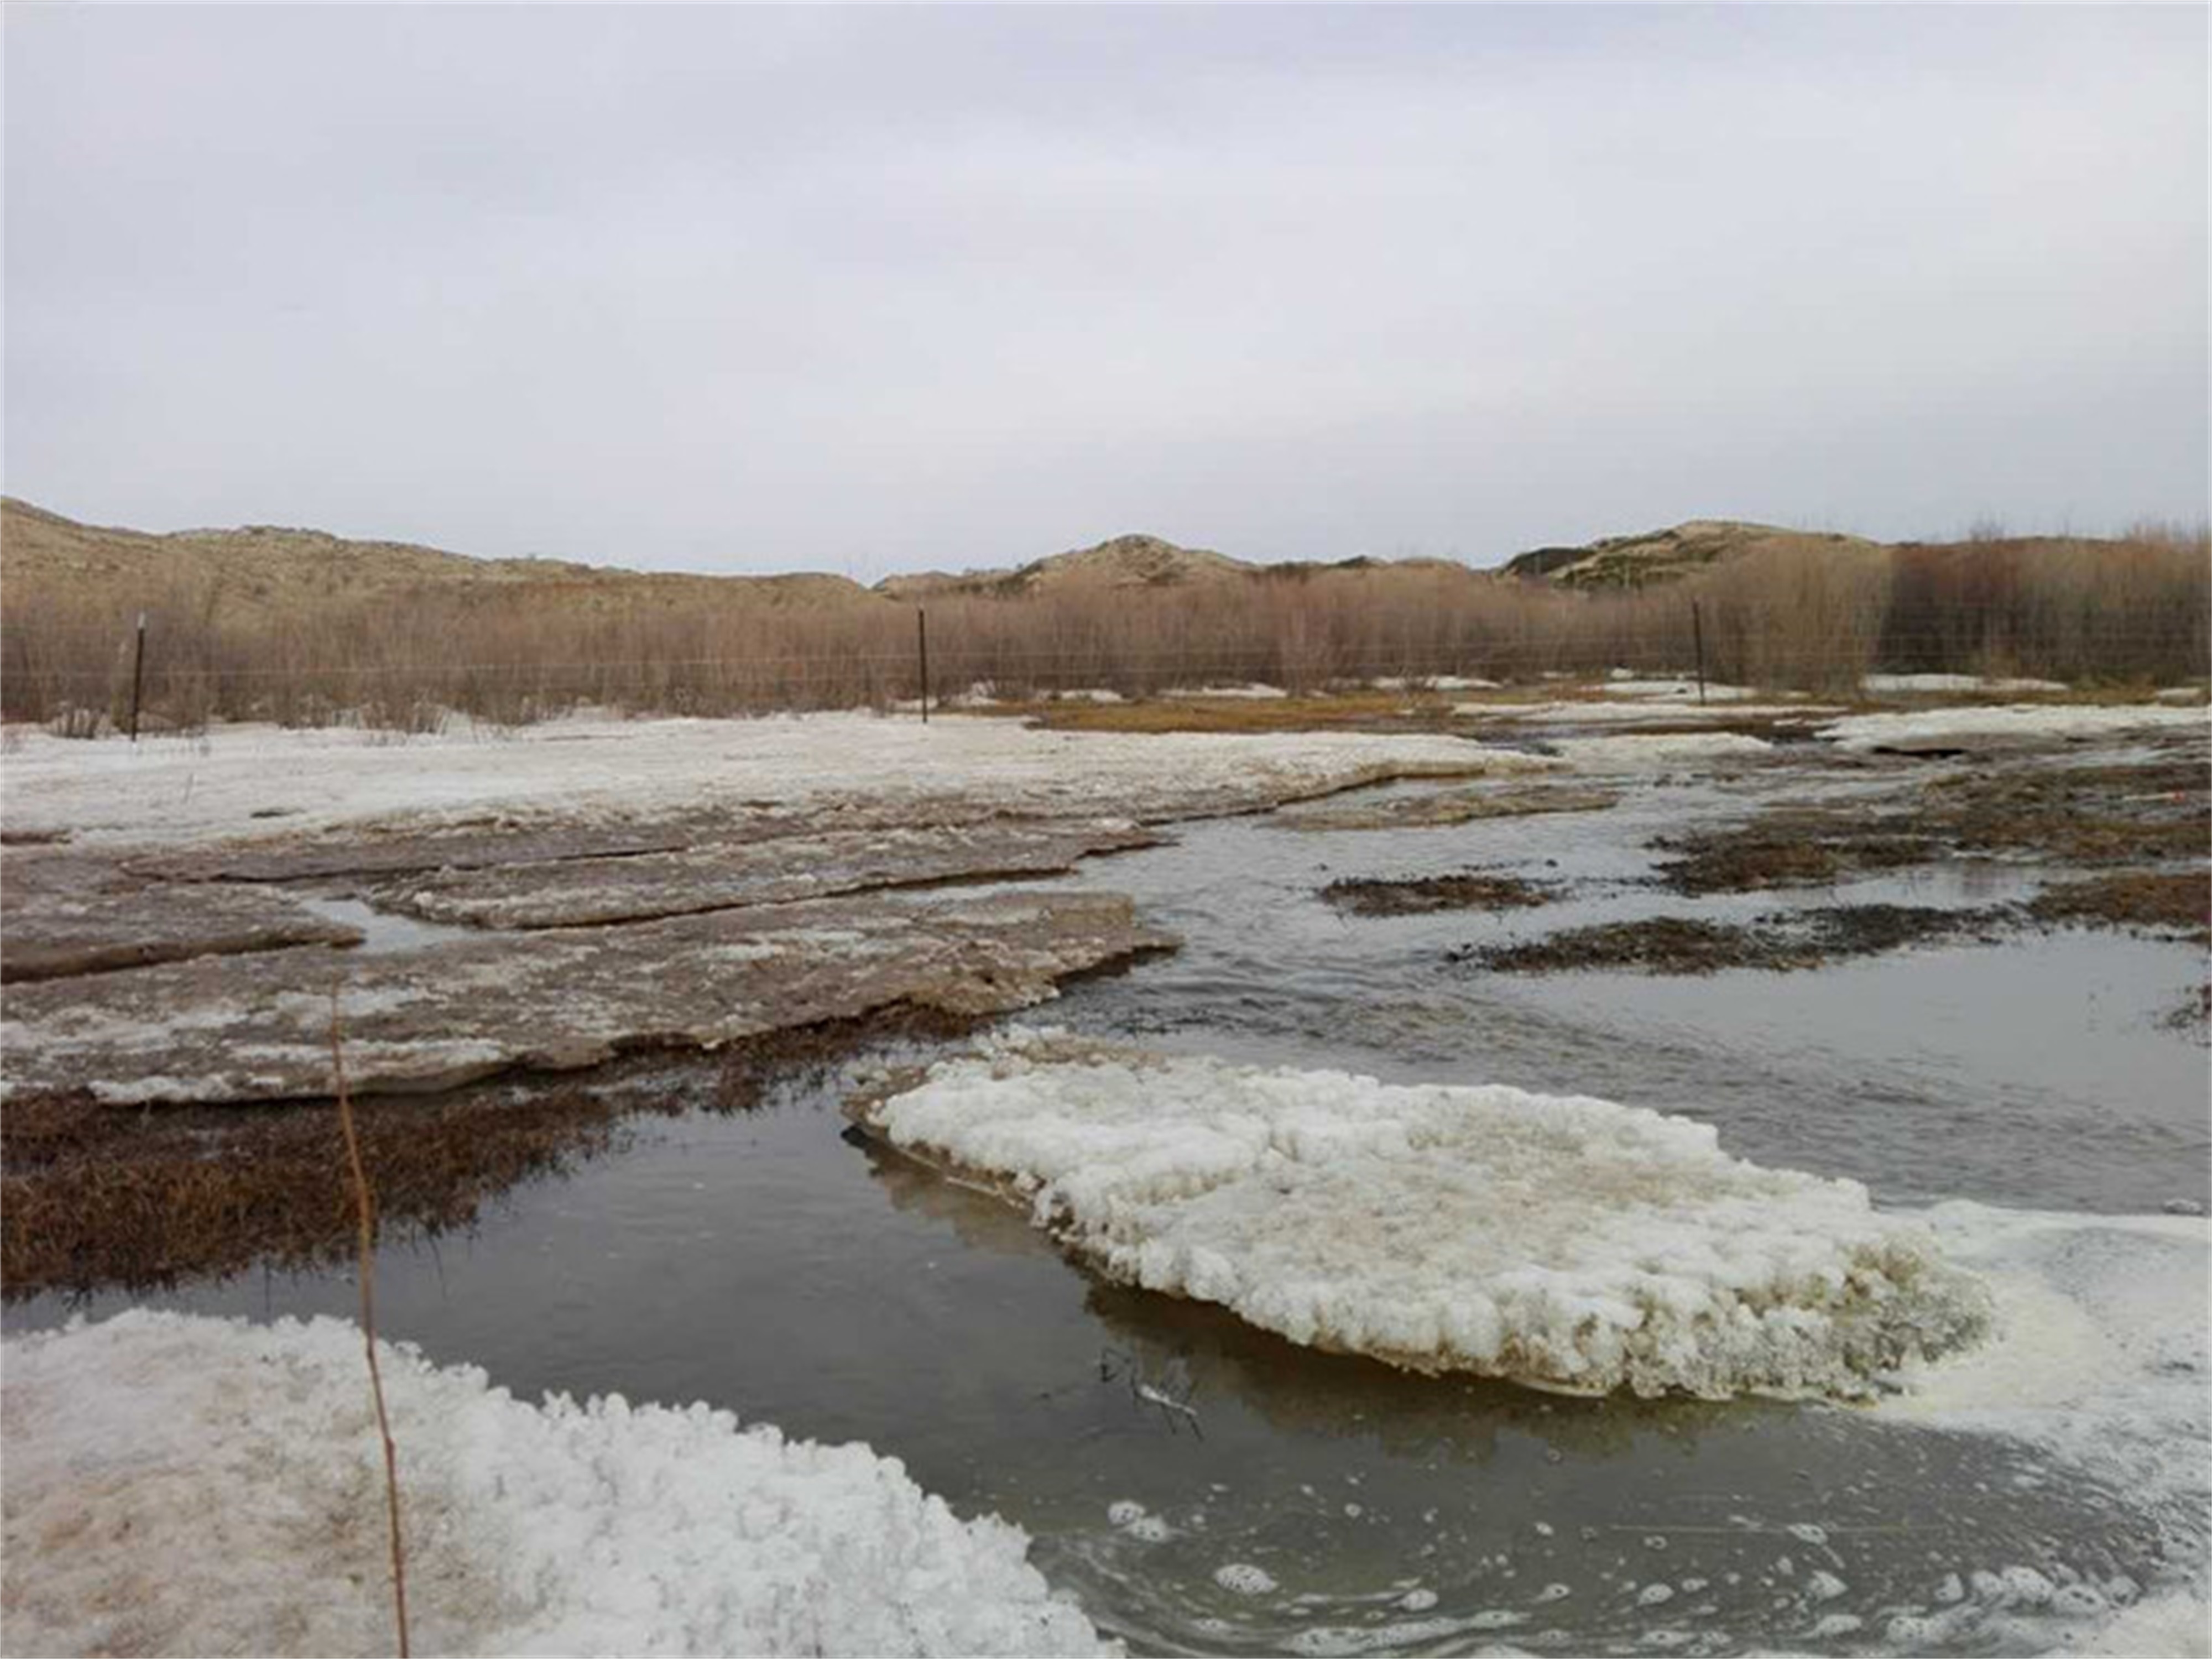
pixel 382 933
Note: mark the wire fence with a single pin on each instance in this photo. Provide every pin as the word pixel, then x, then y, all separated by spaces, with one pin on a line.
pixel 2134 614
pixel 416 693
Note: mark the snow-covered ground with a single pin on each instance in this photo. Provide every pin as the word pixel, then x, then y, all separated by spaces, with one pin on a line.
pixel 1566 1242
pixel 172 790
pixel 1934 684
pixel 1677 686
pixel 1642 710
pixel 1629 752
pixel 180 1485
pixel 2032 721
pixel 1434 683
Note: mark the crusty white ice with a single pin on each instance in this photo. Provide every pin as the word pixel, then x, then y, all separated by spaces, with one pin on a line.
pixel 2037 722
pixel 174 790
pixel 180 1485
pixel 1566 1242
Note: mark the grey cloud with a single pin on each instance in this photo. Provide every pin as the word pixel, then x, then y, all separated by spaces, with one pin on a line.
pixel 869 289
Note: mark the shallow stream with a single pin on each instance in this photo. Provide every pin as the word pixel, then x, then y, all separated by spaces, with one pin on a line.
pixel 776 1264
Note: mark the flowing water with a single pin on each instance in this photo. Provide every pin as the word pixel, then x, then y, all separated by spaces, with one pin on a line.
pixel 1202 1486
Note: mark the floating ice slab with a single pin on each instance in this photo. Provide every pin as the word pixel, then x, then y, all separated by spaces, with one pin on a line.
pixel 181 1485
pixel 1567 1244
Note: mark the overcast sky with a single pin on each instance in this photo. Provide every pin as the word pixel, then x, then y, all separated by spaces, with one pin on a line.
pixel 865 291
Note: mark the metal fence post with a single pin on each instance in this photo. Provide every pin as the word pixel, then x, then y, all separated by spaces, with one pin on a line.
pixel 921 633
pixel 138 675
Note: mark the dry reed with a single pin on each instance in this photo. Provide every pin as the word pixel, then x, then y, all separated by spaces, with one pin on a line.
pixel 2137 610
pixel 365 1211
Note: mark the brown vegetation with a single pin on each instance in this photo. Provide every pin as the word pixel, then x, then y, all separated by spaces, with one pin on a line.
pixel 1783 943
pixel 2142 814
pixel 1786 849
pixel 99 1195
pixel 95 1196
pixel 2174 903
pixel 1468 890
pixel 305 630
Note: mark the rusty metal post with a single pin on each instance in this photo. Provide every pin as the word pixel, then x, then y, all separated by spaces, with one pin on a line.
pixel 921 633
pixel 137 676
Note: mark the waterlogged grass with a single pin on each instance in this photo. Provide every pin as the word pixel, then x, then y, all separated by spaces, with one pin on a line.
pixel 2148 812
pixel 1467 890
pixel 98 1196
pixel 2179 903
pixel 1787 943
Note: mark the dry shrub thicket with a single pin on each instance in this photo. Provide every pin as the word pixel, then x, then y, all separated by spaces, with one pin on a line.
pixel 2129 610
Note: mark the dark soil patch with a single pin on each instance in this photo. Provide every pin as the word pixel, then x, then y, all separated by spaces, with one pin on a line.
pixel 2164 903
pixel 1467 890
pixel 1781 943
pixel 96 1196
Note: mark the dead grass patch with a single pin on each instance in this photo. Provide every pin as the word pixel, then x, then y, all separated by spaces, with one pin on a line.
pixel 1356 710
pixel 99 1195
pixel 1783 943
pixel 1785 850
pixel 2170 904
pixel 1467 890
pixel 2153 813
pixel 94 1195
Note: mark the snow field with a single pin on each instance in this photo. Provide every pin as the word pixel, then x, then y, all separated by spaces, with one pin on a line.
pixel 181 1485
pixel 1564 1242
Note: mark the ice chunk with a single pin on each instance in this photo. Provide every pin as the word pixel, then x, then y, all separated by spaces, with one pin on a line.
pixel 181 1485
pixel 1244 1578
pixel 1568 1243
